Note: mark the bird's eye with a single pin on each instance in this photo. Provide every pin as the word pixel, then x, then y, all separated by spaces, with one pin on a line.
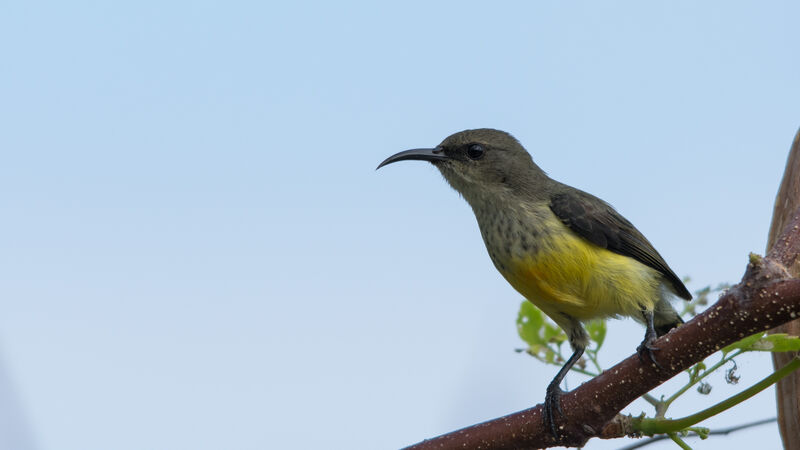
pixel 475 151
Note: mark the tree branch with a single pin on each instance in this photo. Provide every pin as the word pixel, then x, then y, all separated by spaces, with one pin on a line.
pixel 787 391
pixel 766 297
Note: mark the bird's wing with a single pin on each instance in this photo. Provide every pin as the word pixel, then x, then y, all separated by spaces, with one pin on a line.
pixel 597 222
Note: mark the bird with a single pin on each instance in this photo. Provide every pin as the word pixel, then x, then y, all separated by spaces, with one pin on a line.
pixel 568 252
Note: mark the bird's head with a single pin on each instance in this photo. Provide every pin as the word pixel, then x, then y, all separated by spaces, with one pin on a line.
pixel 478 163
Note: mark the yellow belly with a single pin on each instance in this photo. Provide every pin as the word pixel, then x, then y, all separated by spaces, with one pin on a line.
pixel 569 275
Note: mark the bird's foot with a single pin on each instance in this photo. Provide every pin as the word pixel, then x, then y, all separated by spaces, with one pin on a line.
pixel 551 405
pixel 646 349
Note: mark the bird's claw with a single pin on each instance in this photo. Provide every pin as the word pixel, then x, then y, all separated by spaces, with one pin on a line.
pixel 646 347
pixel 551 404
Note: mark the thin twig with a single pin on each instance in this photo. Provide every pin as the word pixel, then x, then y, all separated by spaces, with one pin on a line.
pixel 676 439
pixel 722 431
pixel 695 378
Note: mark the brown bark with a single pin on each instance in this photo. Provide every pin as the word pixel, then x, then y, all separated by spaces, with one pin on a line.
pixel 766 297
pixel 787 391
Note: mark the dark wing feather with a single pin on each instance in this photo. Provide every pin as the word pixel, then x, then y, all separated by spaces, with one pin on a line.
pixel 597 222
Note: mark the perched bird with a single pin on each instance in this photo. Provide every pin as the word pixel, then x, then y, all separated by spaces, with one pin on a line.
pixel 568 252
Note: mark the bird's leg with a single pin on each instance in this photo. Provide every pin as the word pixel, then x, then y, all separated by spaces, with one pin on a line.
pixel 578 340
pixel 650 336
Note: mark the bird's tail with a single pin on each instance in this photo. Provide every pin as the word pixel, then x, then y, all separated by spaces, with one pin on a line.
pixel 665 317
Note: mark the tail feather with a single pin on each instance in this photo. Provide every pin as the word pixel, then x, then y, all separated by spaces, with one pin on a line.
pixel 665 317
pixel 663 328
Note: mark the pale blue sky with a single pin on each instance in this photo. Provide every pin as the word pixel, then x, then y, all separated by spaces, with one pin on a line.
pixel 198 253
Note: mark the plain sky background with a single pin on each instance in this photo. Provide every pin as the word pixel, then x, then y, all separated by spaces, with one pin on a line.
pixel 197 252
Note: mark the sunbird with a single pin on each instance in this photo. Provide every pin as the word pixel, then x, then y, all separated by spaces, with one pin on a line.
pixel 568 252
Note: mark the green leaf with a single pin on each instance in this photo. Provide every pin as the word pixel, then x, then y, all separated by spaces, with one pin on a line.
pixel 779 342
pixel 553 333
pixel 530 324
pixel 597 332
pixel 745 344
pixel 536 349
pixel 535 329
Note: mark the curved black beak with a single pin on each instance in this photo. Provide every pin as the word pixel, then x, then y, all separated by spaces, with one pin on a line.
pixel 419 154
